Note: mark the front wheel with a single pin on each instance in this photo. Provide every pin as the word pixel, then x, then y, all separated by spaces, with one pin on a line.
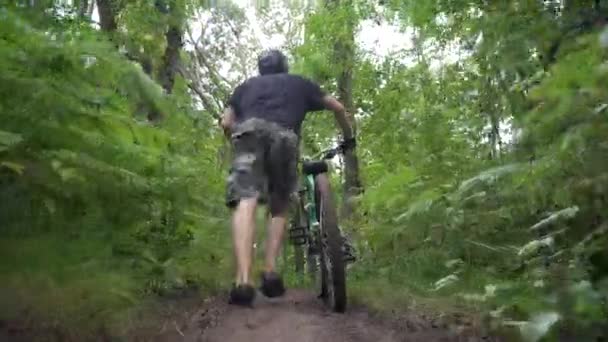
pixel 333 273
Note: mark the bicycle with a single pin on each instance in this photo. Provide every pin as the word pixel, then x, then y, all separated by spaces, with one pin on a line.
pixel 314 226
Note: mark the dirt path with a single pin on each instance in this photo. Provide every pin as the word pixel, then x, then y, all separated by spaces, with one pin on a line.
pixel 300 317
pixel 297 317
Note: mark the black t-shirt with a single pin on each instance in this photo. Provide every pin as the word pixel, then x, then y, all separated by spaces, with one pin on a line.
pixel 281 98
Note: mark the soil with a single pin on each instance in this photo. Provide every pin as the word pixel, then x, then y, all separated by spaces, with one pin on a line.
pixel 300 317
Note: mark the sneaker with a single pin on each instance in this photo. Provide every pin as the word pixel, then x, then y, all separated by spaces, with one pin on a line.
pixel 272 285
pixel 242 295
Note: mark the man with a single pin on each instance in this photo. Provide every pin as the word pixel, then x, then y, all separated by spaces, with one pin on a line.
pixel 263 120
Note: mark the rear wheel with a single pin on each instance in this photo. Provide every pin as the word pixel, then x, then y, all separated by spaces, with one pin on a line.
pixel 298 235
pixel 298 256
pixel 333 274
pixel 311 263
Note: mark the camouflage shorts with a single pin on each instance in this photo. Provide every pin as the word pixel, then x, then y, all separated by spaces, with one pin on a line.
pixel 264 164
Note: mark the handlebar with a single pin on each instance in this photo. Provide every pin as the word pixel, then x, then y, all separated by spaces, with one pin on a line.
pixel 341 148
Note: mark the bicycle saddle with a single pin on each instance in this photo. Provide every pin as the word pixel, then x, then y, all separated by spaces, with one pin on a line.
pixel 314 167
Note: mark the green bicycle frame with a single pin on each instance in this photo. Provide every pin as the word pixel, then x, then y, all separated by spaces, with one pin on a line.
pixel 310 206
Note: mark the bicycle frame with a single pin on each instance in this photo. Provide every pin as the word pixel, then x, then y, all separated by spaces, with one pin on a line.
pixel 307 202
pixel 325 252
pixel 306 223
pixel 310 206
pixel 305 226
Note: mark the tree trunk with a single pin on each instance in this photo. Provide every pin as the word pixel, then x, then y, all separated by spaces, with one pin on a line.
pixel 83 6
pixel 490 96
pixel 107 15
pixel 108 10
pixel 352 182
pixel 170 65
pixel 344 54
pixel 90 9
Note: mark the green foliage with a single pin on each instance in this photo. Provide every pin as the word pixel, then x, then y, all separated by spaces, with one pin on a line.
pixel 458 212
pixel 521 217
pixel 99 207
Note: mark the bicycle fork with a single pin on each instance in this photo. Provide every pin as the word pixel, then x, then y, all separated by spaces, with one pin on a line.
pixel 300 235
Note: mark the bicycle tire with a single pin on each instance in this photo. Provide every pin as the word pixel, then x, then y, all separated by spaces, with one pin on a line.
pixel 311 265
pixel 333 272
pixel 299 262
pixel 298 250
pixel 310 258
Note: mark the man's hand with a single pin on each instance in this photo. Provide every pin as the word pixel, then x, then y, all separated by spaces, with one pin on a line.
pixel 331 103
pixel 348 144
pixel 227 121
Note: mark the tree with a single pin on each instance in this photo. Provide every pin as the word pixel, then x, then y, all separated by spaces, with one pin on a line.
pixel 170 60
pixel 344 58
pixel 107 15
pixel 223 40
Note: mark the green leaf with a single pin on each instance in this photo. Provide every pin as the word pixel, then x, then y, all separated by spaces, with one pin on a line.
pixel 538 325
pixel 15 167
pixel 563 214
pixel 8 139
pixel 488 176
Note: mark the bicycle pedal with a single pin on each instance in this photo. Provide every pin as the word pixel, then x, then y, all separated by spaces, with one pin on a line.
pixel 297 236
pixel 295 228
pixel 349 259
pixel 300 241
pixel 349 252
pixel 297 231
pixel 313 251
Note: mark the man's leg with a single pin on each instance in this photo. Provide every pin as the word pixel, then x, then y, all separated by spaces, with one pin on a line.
pixel 243 232
pixel 272 284
pixel 276 230
pixel 282 172
pixel 245 185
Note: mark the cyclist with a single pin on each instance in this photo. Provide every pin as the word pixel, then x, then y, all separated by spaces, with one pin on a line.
pixel 263 118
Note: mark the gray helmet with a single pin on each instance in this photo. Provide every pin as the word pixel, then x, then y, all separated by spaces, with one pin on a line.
pixel 272 62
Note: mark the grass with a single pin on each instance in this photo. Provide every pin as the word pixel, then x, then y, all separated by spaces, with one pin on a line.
pixel 77 286
pixel 54 282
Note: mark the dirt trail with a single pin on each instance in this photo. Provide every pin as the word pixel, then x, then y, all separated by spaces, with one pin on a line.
pixel 297 317
pixel 301 317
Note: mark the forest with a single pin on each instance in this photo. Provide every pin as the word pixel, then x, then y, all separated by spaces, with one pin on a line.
pixel 478 187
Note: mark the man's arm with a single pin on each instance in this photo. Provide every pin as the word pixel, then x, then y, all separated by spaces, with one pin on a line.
pixel 232 106
pixel 331 103
pixel 227 120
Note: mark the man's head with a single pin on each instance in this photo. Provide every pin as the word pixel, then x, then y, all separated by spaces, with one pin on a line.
pixel 272 62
